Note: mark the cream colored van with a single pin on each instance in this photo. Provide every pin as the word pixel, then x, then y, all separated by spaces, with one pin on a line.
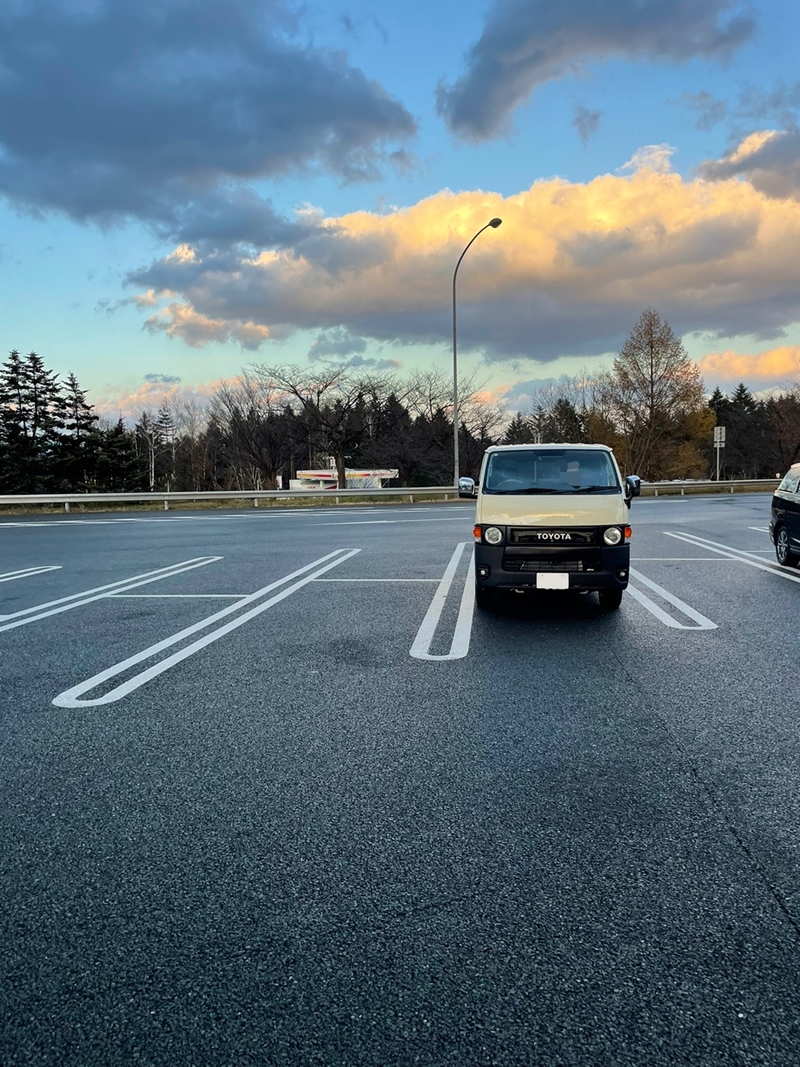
pixel 551 517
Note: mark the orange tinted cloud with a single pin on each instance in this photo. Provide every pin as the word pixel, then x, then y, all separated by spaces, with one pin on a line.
pixel 196 329
pixel 150 396
pixel 568 272
pixel 493 395
pixel 777 364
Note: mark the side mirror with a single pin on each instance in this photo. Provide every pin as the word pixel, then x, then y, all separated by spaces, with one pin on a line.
pixel 633 486
pixel 466 487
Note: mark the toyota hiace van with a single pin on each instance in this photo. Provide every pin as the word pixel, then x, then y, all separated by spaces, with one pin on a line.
pixel 551 517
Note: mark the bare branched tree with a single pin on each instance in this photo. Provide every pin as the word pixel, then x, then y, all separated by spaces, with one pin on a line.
pixel 653 386
pixel 252 412
pixel 332 401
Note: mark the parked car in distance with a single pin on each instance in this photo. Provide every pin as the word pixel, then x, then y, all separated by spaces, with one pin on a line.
pixel 784 525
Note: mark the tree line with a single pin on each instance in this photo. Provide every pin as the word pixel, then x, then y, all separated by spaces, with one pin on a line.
pixel 271 421
pixel 651 408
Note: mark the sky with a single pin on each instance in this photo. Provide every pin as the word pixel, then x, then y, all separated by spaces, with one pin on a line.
pixel 191 186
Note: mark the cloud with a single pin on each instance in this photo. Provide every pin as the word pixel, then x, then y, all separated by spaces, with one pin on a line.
pixel 496 394
pixel 775 365
pixel 568 273
pixel 780 104
pixel 586 122
pixel 768 159
pixel 368 362
pixel 526 43
pixel 160 109
pixel 164 379
pixel 336 343
pixel 138 300
pixel 197 330
pixel 113 404
pixel 651 157
pixel 710 111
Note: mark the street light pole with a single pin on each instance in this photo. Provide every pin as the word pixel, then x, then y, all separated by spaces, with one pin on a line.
pixel 494 223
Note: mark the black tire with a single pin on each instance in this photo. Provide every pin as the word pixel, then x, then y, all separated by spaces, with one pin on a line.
pixel 610 599
pixel 484 598
pixel 786 557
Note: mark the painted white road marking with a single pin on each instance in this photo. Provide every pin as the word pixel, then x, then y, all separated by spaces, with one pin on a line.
pixel 70 698
pixel 377 579
pixel 29 572
pixel 759 529
pixel 177 596
pixel 749 558
pixel 461 636
pixel 702 623
pixel 390 522
pixel 100 592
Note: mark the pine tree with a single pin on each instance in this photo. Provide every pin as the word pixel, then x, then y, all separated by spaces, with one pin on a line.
pixel 80 441
pixel 32 416
pixel 519 431
pixel 119 464
pixel 748 446
pixel 718 403
pixel 563 424
pixel 167 433
pixel 13 424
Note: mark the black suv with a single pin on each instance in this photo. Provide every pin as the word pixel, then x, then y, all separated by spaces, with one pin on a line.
pixel 784 526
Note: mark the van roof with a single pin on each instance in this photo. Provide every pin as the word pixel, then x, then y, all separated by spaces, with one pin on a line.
pixel 565 444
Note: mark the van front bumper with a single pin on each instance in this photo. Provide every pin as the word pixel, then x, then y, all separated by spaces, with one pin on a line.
pixel 506 567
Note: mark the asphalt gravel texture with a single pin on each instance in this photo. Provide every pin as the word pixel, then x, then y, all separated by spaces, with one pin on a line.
pixel 576 845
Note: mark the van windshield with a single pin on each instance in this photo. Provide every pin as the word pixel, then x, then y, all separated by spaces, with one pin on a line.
pixel 562 470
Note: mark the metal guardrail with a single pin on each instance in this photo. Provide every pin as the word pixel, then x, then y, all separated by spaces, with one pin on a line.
pixel 336 495
pixel 255 495
pixel 731 486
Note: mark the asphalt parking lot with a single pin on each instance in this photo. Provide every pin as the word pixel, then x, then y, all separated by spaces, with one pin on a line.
pixel 276 794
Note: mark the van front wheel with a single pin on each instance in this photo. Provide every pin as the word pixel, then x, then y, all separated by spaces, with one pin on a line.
pixel 484 598
pixel 610 599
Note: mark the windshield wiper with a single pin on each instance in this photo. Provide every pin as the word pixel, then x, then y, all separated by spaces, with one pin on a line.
pixel 595 489
pixel 523 492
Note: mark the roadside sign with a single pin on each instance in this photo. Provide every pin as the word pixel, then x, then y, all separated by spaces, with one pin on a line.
pixel 719 442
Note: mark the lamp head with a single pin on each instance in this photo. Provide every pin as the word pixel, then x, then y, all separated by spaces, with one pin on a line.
pixel 495 223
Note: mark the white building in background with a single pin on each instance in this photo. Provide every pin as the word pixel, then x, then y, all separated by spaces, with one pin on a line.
pixel 356 479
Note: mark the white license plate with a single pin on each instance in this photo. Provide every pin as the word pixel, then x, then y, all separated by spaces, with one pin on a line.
pixel 552 581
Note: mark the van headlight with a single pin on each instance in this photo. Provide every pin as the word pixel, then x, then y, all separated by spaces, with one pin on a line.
pixel 492 535
pixel 613 535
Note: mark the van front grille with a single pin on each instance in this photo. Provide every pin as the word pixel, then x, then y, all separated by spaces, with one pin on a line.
pixel 537 566
pixel 531 561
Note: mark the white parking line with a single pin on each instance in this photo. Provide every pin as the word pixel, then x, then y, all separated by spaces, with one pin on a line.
pixel 735 553
pixel 390 522
pixel 702 622
pixel 348 580
pixel 759 529
pixel 29 572
pixel 177 596
pixel 100 592
pixel 461 636
pixel 70 697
